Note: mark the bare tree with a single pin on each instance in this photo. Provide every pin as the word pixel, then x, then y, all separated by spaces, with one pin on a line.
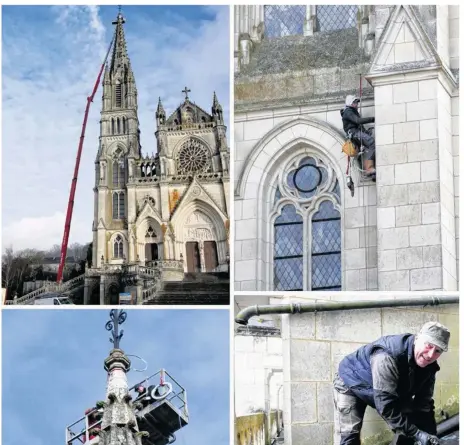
pixel 8 267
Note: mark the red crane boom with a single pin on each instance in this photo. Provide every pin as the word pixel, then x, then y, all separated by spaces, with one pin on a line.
pixel 67 224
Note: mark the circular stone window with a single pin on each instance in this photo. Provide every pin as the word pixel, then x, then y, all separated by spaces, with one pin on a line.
pixel 307 178
pixel 193 158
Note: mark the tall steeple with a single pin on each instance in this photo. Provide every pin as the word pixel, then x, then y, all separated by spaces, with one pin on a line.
pixel 118 150
pixel 119 424
pixel 119 57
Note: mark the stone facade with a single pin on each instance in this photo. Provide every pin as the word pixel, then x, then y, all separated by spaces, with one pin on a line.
pixel 399 233
pixel 312 347
pixel 167 212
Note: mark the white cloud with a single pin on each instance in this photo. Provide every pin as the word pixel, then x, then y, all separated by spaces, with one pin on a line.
pixel 45 84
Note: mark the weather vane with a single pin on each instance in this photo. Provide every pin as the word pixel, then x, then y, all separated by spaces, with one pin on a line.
pixel 117 317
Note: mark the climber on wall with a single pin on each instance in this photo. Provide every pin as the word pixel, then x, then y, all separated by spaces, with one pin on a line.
pixel 353 127
pixel 395 375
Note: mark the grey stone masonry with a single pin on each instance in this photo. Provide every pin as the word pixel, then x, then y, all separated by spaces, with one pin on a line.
pixel 414 138
pixel 119 424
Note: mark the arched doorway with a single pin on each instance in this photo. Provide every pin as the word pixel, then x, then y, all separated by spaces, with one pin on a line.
pixel 95 295
pixel 113 294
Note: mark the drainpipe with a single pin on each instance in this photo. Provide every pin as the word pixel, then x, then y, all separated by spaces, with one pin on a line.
pixel 267 401
pixel 323 306
pixel 448 426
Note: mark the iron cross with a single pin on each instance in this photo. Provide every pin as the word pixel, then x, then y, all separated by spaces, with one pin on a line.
pixel 186 91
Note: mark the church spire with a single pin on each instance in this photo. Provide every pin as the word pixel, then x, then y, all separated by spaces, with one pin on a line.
pixel 160 113
pixel 119 59
pixel 216 109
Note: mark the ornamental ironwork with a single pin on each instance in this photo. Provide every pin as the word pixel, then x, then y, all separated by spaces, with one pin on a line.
pixel 117 317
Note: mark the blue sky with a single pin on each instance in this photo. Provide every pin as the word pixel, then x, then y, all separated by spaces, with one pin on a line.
pixel 52 368
pixel 46 81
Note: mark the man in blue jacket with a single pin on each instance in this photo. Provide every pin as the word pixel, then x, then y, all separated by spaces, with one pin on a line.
pixel 353 125
pixel 395 375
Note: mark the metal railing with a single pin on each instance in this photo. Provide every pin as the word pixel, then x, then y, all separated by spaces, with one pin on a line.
pixel 49 287
pixel 79 431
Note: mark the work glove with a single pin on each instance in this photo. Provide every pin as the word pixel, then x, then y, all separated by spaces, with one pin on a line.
pixel 423 438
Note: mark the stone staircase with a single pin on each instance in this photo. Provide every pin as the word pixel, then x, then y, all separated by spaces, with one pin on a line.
pixel 202 288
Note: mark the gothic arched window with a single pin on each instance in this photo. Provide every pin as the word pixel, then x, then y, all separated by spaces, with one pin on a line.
pixel 119 126
pixel 118 247
pixel 306 227
pixel 112 125
pixel 118 169
pixel 118 205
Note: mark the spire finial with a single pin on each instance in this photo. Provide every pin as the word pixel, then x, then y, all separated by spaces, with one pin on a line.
pixel 186 91
pixel 117 317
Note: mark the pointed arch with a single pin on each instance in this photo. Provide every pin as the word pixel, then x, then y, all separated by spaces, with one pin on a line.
pixel 290 153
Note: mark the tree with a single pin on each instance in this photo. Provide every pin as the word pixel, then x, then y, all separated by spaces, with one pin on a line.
pixel 8 268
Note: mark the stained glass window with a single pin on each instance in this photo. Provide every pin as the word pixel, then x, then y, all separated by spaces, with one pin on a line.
pixel 118 247
pixel 334 17
pixel 316 266
pixel 326 248
pixel 283 20
pixel 288 250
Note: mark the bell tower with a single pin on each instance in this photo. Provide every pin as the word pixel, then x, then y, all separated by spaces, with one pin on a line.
pixel 119 147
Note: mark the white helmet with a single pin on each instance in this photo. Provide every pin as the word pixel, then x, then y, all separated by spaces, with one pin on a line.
pixel 350 99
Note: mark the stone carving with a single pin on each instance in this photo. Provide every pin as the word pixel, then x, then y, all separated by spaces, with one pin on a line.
pixel 196 191
pixel 202 234
pixel 197 218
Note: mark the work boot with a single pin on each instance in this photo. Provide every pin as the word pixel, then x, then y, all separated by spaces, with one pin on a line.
pixel 369 169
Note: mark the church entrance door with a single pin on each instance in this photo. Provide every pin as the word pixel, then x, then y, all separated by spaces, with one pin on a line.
pixel 151 252
pixel 211 256
pixel 193 257
pixel 113 294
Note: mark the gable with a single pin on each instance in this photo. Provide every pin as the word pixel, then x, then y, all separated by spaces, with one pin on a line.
pixel 404 43
pixel 196 192
pixel 188 113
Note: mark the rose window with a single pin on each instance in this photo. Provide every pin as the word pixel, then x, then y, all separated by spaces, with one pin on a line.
pixel 193 158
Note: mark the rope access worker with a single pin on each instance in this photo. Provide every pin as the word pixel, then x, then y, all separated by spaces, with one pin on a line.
pixel 353 127
pixel 395 375
pixel 144 394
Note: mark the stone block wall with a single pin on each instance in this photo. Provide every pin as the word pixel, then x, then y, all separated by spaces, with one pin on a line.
pixel 314 345
pixel 258 363
pixel 260 139
pixel 413 187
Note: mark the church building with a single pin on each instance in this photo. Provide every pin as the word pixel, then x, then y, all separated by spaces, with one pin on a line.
pixel 162 218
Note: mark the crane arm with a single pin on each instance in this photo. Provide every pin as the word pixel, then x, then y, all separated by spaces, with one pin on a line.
pixel 67 224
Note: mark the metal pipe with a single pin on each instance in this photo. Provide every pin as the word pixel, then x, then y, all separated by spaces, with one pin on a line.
pixel 324 306
pixel 448 426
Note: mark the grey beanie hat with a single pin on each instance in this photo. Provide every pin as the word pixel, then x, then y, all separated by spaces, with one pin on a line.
pixel 435 333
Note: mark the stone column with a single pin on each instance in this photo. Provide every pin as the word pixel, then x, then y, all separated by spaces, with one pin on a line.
pixel 102 290
pixel 86 291
pixel 415 213
pixel 119 424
